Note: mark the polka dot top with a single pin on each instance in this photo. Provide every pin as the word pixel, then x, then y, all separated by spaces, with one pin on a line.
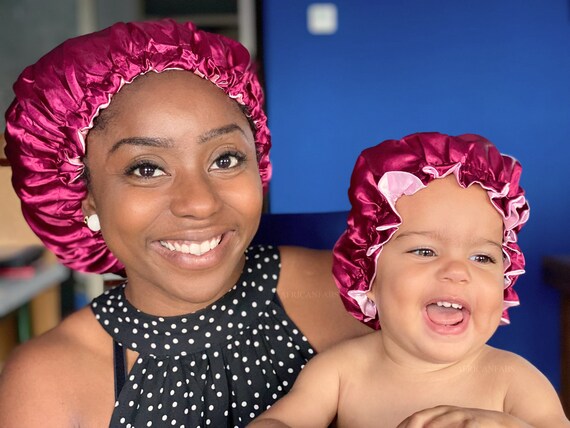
pixel 218 367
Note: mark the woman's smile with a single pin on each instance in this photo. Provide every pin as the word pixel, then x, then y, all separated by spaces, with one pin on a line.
pixel 194 254
pixel 184 199
pixel 192 247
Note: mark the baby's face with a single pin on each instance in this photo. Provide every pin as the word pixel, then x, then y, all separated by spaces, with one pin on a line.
pixel 439 283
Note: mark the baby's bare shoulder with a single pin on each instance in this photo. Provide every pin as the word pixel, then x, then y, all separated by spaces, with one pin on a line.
pixel 497 361
pixel 529 396
pixel 358 353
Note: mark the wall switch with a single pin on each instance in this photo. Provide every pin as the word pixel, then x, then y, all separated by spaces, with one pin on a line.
pixel 322 18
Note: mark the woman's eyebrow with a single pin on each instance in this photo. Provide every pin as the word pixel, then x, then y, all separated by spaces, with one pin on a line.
pixel 217 132
pixel 166 143
pixel 141 141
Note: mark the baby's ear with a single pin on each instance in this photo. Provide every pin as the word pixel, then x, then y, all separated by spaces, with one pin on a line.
pixel 370 294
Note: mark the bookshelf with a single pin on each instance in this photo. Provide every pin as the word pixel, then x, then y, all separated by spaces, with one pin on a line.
pixel 30 297
pixel 16 292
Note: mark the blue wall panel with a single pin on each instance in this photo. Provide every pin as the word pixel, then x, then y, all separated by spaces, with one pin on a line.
pixel 497 68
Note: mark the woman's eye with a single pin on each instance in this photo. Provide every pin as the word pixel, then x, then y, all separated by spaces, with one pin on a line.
pixel 146 170
pixel 482 258
pixel 423 252
pixel 228 160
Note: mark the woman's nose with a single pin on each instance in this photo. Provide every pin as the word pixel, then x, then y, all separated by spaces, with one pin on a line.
pixel 194 195
pixel 456 271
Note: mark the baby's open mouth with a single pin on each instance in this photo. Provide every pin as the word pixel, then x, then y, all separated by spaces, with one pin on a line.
pixel 194 248
pixel 445 313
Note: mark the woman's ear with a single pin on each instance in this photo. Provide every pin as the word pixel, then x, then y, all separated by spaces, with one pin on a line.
pixel 88 205
pixel 90 213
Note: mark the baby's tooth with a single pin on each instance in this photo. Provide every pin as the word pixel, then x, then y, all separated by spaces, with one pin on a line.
pixel 450 305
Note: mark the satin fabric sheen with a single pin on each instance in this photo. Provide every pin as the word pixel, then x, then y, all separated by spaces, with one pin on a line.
pixel 394 168
pixel 58 97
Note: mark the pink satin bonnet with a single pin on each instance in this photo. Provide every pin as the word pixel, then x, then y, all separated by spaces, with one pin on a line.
pixel 394 168
pixel 57 98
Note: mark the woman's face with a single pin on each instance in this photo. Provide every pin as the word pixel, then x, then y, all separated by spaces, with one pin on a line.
pixel 175 183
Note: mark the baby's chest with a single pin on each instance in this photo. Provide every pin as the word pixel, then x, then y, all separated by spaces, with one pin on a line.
pixel 387 403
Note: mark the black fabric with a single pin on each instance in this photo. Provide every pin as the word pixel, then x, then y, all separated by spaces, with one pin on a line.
pixel 220 366
pixel 120 367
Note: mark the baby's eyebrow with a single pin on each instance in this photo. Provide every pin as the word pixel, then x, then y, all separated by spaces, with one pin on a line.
pixel 141 141
pixel 433 235
pixel 438 236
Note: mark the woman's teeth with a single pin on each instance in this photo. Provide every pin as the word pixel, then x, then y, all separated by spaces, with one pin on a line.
pixel 450 305
pixel 195 248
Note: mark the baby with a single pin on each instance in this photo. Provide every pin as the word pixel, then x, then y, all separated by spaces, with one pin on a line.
pixel 429 259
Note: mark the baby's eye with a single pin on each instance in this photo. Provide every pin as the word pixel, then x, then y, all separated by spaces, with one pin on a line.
pixel 145 170
pixel 228 160
pixel 483 259
pixel 423 252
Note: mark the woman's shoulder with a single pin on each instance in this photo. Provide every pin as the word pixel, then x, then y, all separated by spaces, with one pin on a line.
pixel 310 297
pixel 75 335
pixel 42 375
pixel 300 263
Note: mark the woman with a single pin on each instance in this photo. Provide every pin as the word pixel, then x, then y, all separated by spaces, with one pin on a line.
pixel 143 149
